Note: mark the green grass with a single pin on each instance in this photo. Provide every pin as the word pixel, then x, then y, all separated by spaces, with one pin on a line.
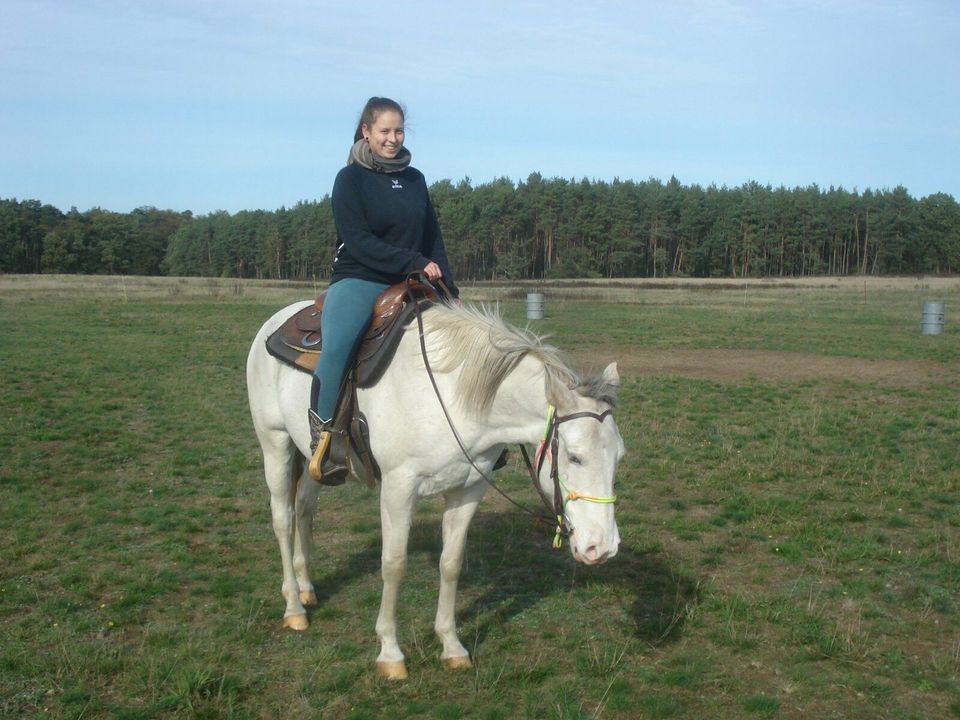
pixel 789 545
pixel 881 325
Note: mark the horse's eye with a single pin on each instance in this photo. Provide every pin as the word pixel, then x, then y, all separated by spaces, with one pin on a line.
pixel 575 459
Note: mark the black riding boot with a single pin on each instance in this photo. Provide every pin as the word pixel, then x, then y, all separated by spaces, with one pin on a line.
pixel 328 451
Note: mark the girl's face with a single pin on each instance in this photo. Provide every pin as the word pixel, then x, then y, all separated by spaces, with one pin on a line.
pixel 386 134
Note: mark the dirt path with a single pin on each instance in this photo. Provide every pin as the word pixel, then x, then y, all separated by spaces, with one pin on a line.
pixel 739 365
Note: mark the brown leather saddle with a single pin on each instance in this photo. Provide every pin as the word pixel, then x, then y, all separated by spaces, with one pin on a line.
pixel 298 343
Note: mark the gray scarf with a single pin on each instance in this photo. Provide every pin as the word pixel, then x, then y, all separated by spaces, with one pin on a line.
pixel 362 155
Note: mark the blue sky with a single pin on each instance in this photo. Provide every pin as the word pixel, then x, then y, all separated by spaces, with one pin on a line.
pixel 234 104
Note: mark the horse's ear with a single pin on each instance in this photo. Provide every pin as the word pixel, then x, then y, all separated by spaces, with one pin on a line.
pixel 604 387
pixel 607 386
pixel 556 391
pixel 610 374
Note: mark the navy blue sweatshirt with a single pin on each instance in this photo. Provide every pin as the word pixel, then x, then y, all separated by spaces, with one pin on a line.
pixel 386 226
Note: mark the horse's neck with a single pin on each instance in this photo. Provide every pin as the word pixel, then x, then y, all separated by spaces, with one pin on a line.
pixel 520 407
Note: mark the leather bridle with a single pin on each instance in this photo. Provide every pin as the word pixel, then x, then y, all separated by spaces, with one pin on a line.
pixel 551 440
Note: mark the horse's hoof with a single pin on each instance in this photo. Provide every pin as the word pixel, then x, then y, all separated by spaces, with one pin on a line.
pixel 308 597
pixel 461 662
pixel 296 622
pixel 392 669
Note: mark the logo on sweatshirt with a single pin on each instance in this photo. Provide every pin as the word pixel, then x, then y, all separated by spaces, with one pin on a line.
pixel 397 185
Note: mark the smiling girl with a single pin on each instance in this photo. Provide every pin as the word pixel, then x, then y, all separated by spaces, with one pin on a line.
pixel 386 230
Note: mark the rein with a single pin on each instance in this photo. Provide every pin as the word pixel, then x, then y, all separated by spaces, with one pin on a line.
pixel 550 437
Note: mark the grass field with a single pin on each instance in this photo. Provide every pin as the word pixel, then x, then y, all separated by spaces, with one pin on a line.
pixel 790 513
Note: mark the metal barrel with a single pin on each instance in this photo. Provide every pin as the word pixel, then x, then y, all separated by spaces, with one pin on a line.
pixel 535 306
pixel 932 321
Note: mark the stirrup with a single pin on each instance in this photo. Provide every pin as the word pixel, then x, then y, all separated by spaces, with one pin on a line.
pixel 319 451
pixel 328 459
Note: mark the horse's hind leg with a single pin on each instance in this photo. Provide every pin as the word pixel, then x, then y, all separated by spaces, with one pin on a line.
pixel 460 507
pixel 306 505
pixel 281 471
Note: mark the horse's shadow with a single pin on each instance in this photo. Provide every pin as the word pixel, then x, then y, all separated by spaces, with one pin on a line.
pixel 510 567
pixel 511 563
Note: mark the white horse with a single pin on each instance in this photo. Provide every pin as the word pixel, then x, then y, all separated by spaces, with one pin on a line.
pixel 500 385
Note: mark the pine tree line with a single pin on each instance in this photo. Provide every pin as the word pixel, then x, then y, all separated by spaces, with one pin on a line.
pixel 540 228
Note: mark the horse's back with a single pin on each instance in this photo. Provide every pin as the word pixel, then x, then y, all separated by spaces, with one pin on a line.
pixel 276 320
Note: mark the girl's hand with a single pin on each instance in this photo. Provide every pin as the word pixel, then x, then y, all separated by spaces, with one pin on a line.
pixel 432 271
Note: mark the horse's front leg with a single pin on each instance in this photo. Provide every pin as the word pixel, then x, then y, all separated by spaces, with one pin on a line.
pixel 460 507
pixel 396 512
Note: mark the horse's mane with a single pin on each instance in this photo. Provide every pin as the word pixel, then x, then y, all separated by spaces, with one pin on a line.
pixel 487 349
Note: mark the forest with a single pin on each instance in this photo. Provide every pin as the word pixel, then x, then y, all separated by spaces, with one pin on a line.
pixel 534 229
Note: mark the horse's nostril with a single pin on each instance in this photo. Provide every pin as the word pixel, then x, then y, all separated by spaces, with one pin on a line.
pixel 596 554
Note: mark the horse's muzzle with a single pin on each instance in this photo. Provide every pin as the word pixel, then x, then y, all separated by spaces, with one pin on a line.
pixel 595 554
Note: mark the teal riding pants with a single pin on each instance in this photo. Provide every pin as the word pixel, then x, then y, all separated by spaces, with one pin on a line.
pixel 347 311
